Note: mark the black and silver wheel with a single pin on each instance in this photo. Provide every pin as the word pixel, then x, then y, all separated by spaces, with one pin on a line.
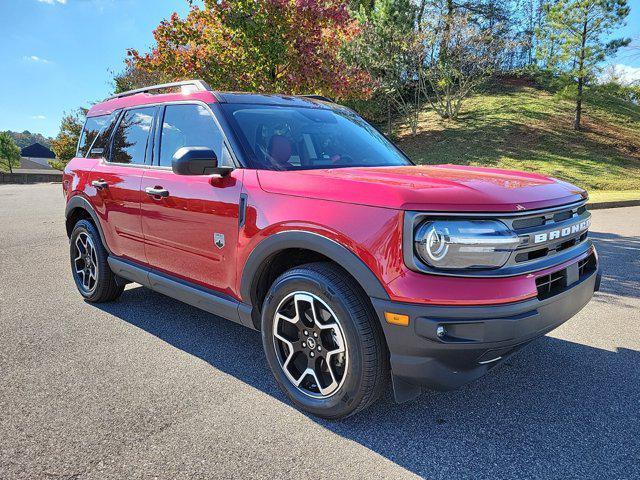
pixel 91 273
pixel 323 342
pixel 310 345
pixel 85 263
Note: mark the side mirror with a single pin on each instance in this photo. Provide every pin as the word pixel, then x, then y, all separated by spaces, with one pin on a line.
pixel 197 161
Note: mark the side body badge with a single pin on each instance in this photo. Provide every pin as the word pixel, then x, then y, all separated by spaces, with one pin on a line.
pixel 218 240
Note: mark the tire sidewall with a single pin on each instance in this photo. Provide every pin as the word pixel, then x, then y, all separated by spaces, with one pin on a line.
pixel 90 230
pixel 346 399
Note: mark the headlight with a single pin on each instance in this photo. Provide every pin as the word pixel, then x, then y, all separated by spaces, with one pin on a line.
pixel 457 244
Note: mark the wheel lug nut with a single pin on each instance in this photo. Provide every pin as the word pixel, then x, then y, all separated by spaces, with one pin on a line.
pixel 312 354
pixel 306 333
pixel 315 334
pixel 304 345
pixel 319 348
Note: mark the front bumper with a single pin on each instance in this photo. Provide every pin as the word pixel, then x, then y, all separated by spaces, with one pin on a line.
pixel 472 339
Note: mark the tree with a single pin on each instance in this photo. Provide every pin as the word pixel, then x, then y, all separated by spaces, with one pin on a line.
pixel 459 56
pixel 581 28
pixel 26 138
pixel 9 152
pixel 65 144
pixel 133 77
pixel 387 48
pixel 281 46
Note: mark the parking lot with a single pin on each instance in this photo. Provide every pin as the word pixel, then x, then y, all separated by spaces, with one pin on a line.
pixel 148 387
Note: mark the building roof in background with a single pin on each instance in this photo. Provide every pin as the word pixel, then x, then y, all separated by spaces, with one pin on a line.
pixel 26 164
pixel 37 151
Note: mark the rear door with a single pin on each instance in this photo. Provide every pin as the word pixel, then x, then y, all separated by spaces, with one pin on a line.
pixel 116 182
pixel 191 230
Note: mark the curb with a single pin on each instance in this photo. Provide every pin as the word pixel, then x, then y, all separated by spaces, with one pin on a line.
pixel 614 204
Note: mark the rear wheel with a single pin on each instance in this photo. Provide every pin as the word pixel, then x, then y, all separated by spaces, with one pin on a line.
pixel 323 341
pixel 94 279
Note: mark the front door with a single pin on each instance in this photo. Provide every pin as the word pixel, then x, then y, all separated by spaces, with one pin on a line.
pixel 190 223
pixel 115 183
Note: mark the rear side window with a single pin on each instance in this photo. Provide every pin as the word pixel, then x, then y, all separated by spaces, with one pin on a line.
pixel 132 135
pixel 190 126
pixel 93 127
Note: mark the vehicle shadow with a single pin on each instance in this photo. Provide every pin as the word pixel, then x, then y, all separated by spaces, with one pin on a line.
pixel 620 258
pixel 556 409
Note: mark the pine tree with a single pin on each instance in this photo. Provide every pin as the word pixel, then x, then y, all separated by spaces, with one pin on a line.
pixel 580 29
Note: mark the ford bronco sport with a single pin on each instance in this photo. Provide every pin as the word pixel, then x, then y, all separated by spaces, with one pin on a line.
pixel 292 216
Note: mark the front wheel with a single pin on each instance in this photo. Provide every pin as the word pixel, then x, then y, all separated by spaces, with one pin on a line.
pixel 323 342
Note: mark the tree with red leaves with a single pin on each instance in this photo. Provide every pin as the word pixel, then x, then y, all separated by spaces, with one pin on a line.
pixel 281 46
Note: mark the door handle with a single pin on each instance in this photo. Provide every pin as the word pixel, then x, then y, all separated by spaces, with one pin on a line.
pixel 99 184
pixel 156 191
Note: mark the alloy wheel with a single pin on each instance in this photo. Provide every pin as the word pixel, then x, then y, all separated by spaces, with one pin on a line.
pixel 310 344
pixel 85 262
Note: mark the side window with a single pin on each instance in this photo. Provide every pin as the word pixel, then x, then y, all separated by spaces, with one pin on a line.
pixel 190 126
pixel 131 138
pixel 93 126
pixel 100 145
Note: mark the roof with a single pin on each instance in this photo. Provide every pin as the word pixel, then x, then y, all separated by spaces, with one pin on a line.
pixel 26 164
pixel 270 99
pixel 108 106
pixel 37 150
pixel 199 90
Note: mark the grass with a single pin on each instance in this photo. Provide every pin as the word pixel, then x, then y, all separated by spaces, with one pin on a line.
pixel 613 195
pixel 520 127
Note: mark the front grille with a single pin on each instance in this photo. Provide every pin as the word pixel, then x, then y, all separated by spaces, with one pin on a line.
pixel 546 234
pixel 557 282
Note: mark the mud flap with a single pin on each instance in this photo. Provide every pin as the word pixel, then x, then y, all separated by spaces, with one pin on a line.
pixel 404 391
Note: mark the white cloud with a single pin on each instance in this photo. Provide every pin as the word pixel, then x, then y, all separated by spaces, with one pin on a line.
pixel 51 2
pixel 626 74
pixel 38 117
pixel 36 59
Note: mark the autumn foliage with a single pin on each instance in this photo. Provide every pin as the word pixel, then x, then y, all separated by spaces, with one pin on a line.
pixel 281 46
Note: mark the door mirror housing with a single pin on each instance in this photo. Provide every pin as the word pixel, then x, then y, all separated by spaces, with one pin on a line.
pixel 197 161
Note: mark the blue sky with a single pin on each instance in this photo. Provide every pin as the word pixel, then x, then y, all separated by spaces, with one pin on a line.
pixel 57 54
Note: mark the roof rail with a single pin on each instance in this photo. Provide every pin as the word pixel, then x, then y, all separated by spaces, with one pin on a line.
pixel 200 85
pixel 318 97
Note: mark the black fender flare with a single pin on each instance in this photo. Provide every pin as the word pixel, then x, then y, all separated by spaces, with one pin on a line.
pixel 277 242
pixel 78 201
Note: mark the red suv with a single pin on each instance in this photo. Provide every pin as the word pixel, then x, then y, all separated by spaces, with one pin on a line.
pixel 293 216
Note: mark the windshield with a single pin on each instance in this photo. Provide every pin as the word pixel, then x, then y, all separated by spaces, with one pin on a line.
pixel 298 138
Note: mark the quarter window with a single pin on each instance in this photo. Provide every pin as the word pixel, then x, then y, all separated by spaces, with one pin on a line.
pixel 99 147
pixel 131 138
pixel 190 126
pixel 93 126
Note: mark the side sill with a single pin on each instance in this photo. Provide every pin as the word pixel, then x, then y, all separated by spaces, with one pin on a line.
pixel 194 295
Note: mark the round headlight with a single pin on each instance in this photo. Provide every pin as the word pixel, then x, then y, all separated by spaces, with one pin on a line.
pixel 458 244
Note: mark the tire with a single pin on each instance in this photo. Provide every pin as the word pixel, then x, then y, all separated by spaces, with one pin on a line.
pixel 93 277
pixel 343 383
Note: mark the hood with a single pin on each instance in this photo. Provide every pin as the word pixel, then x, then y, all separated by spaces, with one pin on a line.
pixel 439 188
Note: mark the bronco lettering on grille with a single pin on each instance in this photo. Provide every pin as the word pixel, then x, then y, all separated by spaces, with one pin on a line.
pixel 562 232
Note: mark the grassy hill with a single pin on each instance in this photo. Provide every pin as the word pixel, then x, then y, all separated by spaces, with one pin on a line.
pixel 517 126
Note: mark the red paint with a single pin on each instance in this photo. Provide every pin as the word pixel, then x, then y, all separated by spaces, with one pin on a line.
pixel 178 230
pixel 118 207
pixel 436 188
pixel 140 99
pixel 359 208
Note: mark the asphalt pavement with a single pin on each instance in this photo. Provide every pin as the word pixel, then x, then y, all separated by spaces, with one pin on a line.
pixel 148 387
